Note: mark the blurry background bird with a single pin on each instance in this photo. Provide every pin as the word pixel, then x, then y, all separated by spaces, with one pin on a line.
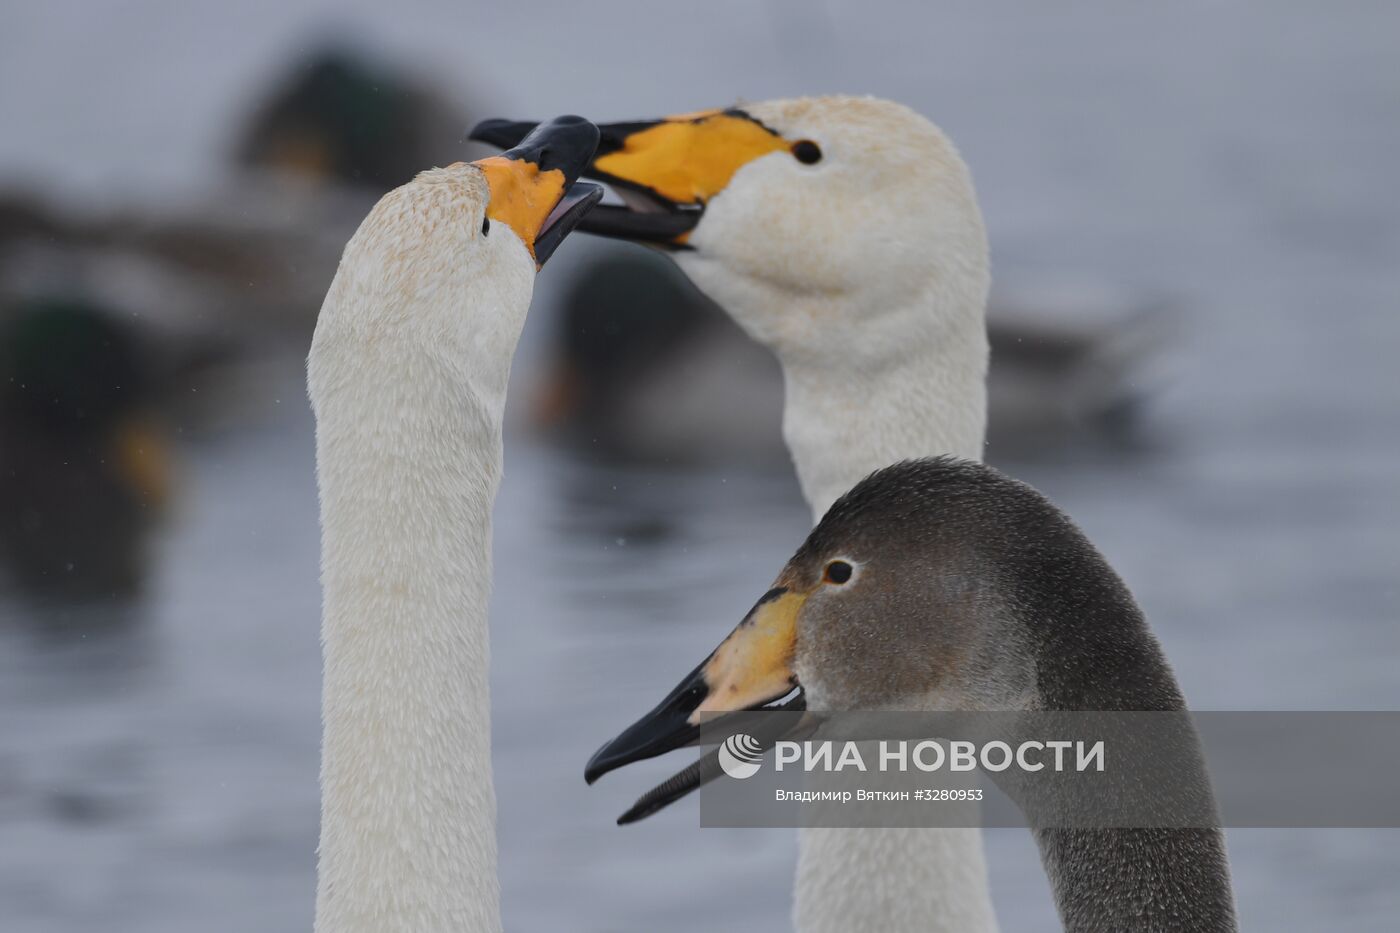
pixel 173 293
pixel 84 475
pixel 340 117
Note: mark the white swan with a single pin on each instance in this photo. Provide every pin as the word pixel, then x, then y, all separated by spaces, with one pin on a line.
pixel 407 376
pixel 844 234
pixel 942 585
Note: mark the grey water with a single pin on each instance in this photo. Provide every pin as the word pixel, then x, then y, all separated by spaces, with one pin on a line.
pixel 158 763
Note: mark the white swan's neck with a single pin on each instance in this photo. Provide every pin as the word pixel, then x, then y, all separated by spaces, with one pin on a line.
pixel 408 384
pixel 898 374
pixel 918 392
pixel 408 834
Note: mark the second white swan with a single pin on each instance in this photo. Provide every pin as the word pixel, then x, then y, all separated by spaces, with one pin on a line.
pixel 407 376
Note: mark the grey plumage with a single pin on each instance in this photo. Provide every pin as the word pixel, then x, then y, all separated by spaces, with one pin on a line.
pixel 976 593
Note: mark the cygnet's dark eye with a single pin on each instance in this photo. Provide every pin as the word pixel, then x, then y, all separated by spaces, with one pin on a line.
pixel 485 225
pixel 807 152
pixel 838 572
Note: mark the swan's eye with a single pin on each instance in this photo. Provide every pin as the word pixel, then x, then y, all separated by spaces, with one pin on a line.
pixel 838 572
pixel 807 152
pixel 485 225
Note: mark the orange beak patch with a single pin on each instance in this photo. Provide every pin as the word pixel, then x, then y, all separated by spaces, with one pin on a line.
pixel 522 196
pixel 689 159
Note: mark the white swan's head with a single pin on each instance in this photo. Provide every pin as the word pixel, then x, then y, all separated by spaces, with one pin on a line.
pixel 447 262
pixel 842 206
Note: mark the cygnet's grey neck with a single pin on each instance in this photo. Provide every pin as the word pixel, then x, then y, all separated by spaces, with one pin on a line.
pixel 1090 649
pixel 1148 880
pixel 1155 879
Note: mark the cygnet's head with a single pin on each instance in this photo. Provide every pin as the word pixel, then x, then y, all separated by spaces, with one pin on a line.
pixel 933 585
pixel 446 263
pixel 845 207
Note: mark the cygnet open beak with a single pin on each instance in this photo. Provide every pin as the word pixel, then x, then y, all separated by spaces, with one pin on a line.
pixel 750 671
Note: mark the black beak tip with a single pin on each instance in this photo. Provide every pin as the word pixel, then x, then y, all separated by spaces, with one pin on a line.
pixel 600 764
pixel 646 739
pixel 665 728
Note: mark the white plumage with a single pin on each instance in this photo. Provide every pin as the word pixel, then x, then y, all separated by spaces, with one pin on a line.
pixel 407 377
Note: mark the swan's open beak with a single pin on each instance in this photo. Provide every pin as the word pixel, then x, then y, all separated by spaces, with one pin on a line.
pixel 664 170
pixel 749 671
pixel 534 186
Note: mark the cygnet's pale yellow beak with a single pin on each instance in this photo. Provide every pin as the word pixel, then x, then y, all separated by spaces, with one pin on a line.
pixel 534 186
pixel 665 170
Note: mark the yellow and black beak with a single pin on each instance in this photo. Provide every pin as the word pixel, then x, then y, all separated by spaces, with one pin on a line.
pixel 534 185
pixel 749 671
pixel 665 170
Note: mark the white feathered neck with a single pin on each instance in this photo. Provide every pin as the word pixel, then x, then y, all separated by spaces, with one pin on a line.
pixel 407 376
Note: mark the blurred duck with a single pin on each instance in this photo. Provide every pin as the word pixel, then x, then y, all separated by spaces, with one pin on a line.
pixel 235 264
pixel 645 368
pixel 843 234
pixel 1073 367
pixel 407 377
pixel 940 585
pixel 340 117
pixel 84 470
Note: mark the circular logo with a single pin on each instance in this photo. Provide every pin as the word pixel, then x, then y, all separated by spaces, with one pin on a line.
pixel 740 756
